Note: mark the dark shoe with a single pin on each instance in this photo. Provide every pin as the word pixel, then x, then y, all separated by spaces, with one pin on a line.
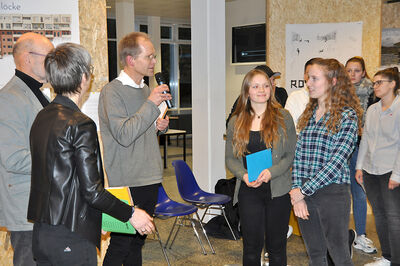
pixel 352 237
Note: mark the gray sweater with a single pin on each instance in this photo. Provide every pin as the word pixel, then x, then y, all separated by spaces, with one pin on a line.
pixel 282 158
pixel 131 151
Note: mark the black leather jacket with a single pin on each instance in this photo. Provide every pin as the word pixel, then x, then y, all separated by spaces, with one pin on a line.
pixel 67 176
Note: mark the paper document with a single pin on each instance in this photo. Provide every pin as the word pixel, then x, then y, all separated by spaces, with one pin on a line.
pixel 109 223
pixel 257 162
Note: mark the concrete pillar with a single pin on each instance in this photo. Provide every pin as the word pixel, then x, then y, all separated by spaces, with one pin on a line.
pixel 125 19
pixel 208 91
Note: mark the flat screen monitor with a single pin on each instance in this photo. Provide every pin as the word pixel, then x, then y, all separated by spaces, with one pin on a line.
pixel 248 43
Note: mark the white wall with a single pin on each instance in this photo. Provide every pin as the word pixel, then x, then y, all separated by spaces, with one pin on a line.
pixel 239 12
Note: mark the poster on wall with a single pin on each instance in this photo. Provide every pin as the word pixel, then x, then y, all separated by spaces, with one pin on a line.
pixel 327 40
pixel 56 19
pixel 390 53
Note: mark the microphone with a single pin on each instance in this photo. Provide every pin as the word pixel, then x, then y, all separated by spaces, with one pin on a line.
pixel 161 80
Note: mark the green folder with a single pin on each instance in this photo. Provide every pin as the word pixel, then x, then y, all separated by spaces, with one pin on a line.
pixel 110 224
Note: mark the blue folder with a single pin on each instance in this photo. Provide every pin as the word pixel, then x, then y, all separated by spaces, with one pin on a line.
pixel 257 162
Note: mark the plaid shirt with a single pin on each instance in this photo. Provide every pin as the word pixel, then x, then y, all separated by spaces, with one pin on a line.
pixel 321 158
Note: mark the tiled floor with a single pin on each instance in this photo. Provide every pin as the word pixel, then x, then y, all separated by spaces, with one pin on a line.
pixel 186 250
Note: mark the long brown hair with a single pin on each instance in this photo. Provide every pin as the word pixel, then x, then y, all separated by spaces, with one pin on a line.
pixel 340 95
pixel 272 120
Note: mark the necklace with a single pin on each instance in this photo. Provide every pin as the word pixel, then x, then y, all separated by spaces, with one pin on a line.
pixel 259 115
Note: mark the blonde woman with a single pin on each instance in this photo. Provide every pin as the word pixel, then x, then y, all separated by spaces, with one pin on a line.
pixel 259 123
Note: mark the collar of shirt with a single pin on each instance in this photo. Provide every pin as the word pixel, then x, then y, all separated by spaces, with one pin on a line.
pixel 392 107
pixel 63 100
pixel 34 85
pixel 126 80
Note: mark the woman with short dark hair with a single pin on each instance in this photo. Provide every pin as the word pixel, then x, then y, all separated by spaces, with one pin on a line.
pixel 67 195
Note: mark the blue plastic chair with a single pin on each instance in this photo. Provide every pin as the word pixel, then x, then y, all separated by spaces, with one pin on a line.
pixel 166 208
pixel 191 192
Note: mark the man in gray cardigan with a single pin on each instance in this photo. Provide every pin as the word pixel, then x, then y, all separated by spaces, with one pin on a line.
pixel 129 124
pixel 20 101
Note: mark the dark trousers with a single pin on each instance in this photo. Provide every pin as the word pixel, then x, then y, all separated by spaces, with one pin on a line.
pixel 263 221
pixel 126 249
pixel 327 226
pixel 21 241
pixel 386 208
pixel 57 245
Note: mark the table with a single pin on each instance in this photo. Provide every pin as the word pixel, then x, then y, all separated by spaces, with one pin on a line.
pixel 177 133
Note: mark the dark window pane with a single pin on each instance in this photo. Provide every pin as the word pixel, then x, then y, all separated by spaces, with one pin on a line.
pixel 112 60
pixel 143 28
pixel 165 32
pixel 185 75
pixel 184 34
pixel 166 65
pixel 111 29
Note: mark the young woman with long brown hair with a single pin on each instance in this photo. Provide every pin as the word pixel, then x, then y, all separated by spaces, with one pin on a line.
pixel 259 123
pixel 321 180
pixel 355 67
pixel 378 164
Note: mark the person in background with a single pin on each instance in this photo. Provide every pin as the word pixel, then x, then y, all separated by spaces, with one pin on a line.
pixel 280 93
pixel 355 67
pixel 297 101
pixel 321 179
pixel 20 100
pixel 259 123
pixel 129 125
pixel 378 164
pixel 67 196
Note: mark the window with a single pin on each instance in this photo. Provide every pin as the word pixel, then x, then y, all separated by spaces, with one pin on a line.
pixel 143 28
pixel 176 63
pixel 166 32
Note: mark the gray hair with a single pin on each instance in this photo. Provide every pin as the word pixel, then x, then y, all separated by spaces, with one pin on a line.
pixel 65 66
pixel 129 45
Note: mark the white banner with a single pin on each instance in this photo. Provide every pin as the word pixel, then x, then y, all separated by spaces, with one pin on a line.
pixel 327 40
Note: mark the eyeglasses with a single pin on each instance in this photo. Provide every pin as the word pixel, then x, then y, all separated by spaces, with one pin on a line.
pixel 150 57
pixel 39 54
pixel 379 82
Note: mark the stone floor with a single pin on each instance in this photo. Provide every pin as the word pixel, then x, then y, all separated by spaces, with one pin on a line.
pixel 186 250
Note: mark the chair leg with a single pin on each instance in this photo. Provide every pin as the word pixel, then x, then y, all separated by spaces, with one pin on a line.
pixel 177 231
pixel 162 247
pixel 226 219
pixel 197 236
pixel 205 233
pixel 205 213
pixel 170 232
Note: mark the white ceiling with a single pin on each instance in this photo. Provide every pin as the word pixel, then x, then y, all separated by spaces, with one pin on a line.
pixel 161 8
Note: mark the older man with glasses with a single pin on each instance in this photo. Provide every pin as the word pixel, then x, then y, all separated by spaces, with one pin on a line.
pixel 20 100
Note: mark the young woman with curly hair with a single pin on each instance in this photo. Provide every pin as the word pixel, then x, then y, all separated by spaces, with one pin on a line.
pixel 321 179
pixel 378 164
pixel 259 123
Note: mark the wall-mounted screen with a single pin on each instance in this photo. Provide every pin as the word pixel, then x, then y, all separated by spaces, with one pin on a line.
pixel 248 43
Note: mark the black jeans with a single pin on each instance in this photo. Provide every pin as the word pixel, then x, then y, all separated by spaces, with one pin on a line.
pixel 57 245
pixel 327 226
pixel 126 249
pixel 21 241
pixel 386 208
pixel 263 221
